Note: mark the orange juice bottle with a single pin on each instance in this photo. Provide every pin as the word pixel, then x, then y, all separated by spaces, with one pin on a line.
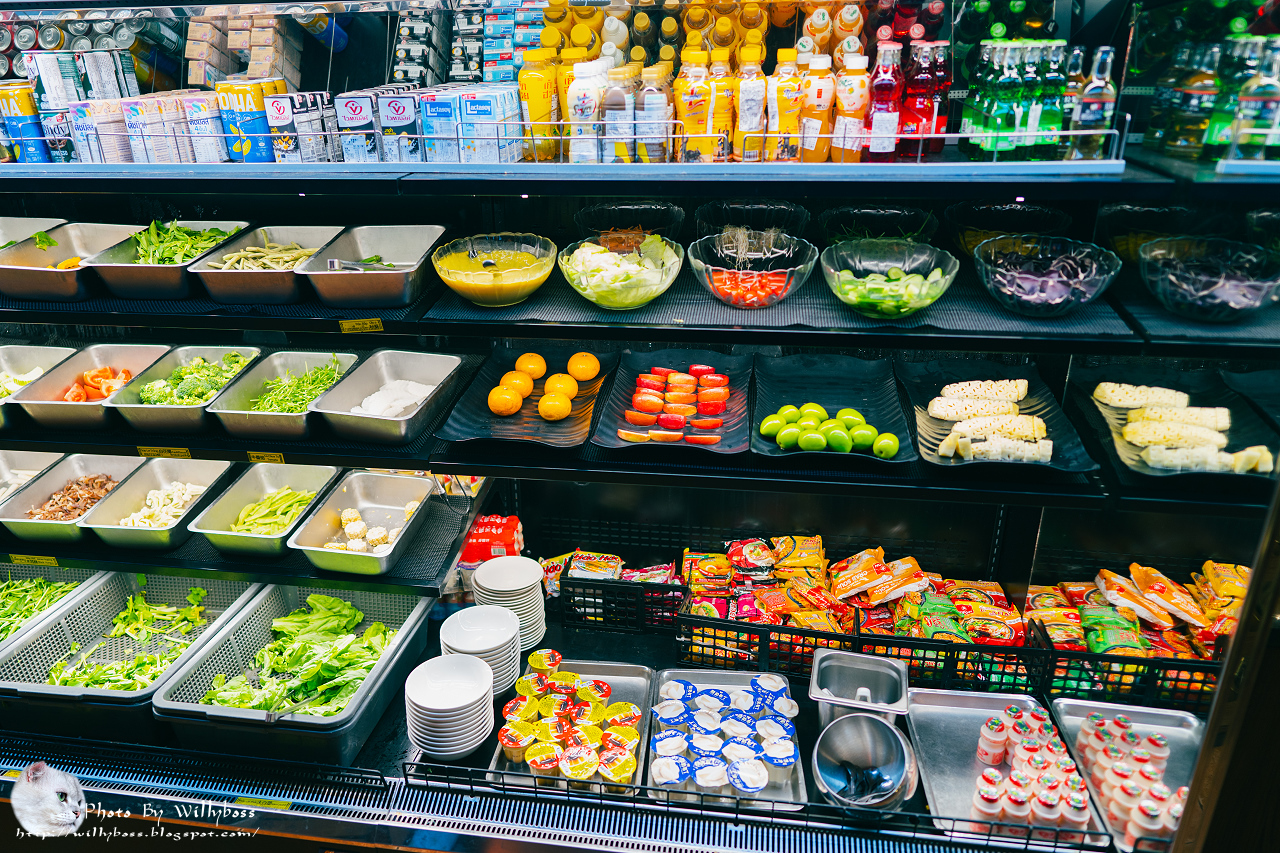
pixel 557 15
pixel 848 22
pixel 853 93
pixel 748 130
pixel 725 90
pixel 815 116
pixel 591 16
pixel 586 38
pixel 753 37
pixel 818 27
pixel 782 14
pixel 751 18
pixel 851 46
pixel 698 19
pixel 694 93
pixel 784 98
pixel 723 36
pixel 540 104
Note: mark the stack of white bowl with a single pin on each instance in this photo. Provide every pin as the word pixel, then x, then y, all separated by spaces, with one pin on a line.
pixel 449 706
pixel 489 633
pixel 516 584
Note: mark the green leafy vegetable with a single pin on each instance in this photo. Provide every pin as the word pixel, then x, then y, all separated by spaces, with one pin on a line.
pixel 193 384
pixel 313 655
pixel 175 244
pixel 292 394
pixel 10 243
pixel 273 514
pixel 613 280
pixel 376 260
pixel 22 599
pixel 43 241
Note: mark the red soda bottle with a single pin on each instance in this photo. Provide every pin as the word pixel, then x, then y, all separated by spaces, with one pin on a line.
pixel 905 13
pixel 884 112
pixel 917 105
pixel 941 92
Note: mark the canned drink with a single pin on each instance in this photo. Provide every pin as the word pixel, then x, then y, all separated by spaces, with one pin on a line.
pixel 25 36
pixel 274 86
pixel 244 114
pixel 80 43
pixel 103 27
pixel 18 105
pixel 51 37
pixel 18 64
pixel 6 37
pixel 79 28
pixel 4 65
pixel 204 119
pixel 104 42
pixel 83 132
pixel 57 135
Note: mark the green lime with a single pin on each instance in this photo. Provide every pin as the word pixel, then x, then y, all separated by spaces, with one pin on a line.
pixel 769 426
pixel 790 414
pixel 788 436
pixel 885 446
pixel 815 409
pixel 850 418
pixel 812 441
pixel 839 440
pixel 864 436
pixel 809 422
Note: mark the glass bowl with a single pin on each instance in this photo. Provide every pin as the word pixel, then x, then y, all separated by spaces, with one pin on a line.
pixel 1123 228
pixel 847 265
pixel 1263 227
pixel 761 272
pixel 713 217
pixel 1208 278
pixel 501 288
pixel 875 221
pixel 622 289
pixel 652 217
pixel 995 219
pixel 1044 276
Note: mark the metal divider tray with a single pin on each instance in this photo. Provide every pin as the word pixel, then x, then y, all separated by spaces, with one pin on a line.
pixel 382 367
pixel 13 512
pixel 26 266
pixel 944 726
pixel 262 287
pixel 407 247
pixel 791 795
pixel 156 418
pixel 131 496
pixel 630 683
pixel 1184 731
pixel 234 405
pixel 128 279
pixel 15 572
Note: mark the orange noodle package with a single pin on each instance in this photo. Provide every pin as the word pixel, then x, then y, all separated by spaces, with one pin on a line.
pixel 986 592
pixel 1121 592
pixel 1082 592
pixel 990 624
pixel 795 551
pixel 1227 580
pixel 858 573
pixel 1045 598
pixel 816 620
pixel 817 596
pixel 1062 625
pixel 1167 644
pixel 779 599
pixel 1167 594
pixel 905 577
pixel 749 554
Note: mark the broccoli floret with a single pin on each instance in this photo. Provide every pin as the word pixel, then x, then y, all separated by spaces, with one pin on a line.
pixel 156 393
pixel 194 388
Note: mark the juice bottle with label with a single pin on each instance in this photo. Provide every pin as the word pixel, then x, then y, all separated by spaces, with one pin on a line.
pixel 694 97
pixel 653 104
pixel 917 102
pixel 853 93
pixel 591 16
pixel 748 132
pixel 851 46
pixel 619 110
pixel 540 104
pixel 586 38
pixel 753 37
pixel 848 23
pixel 569 57
pixel 818 27
pixel 815 116
pixel 585 94
pixel 805 49
pixel 557 15
pixel 616 31
pixel 698 19
pixel 782 14
pixel 619 10
pixel 725 87
pixel 884 112
pixel 784 99
pixel 552 39
pixel 723 36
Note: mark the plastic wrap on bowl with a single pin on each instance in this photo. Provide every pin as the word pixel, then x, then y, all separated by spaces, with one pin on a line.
pixel 1044 276
pixel 1209 279
pixel 752 269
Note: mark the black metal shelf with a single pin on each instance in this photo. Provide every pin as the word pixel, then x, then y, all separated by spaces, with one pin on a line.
pixel 1202 178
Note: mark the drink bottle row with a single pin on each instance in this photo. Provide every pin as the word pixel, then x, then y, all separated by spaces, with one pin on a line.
pixel 1214 96
pixel 983 19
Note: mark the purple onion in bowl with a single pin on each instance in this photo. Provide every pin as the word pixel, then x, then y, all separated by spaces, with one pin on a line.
pixel 1209 279
pixel 1042 276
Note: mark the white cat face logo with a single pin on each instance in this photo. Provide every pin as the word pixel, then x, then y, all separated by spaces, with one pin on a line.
pixel 48 802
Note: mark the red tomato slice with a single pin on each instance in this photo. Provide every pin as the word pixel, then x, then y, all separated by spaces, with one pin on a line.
pixel 654 377
pixel 700 369
pixel 661 371
pixel 711 408
pixel 75 394
pixel 671 421
pixel 651 384
pixel 706 423
pixel 713 380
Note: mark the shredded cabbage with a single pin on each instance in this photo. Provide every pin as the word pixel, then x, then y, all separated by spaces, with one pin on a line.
pixel 611 280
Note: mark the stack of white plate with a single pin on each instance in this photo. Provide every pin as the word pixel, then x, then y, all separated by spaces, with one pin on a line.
pixel 489 633
pixel 449 706
pixel 516 584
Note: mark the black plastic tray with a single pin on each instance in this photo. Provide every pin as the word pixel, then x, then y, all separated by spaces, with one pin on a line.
pixel 1262 387
pixel 735 430
pixel 471 418
pixel 924 380
pixel 834 382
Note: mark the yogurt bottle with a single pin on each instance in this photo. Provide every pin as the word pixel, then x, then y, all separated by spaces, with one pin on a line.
pixel 1026 748
pixel 1075 817
pixel 1037 766
pixel 1129 741
pixel 1158 745
pixel 1149 777
pixel 1046 813
pixel 780 755
pixel 1145 821
pixel 1171 819
pixel 1086 729
pixel 1119 724
pixel 986 807
pixel 991 777
pixel 1104 762
pixel 1016 733
pixel 1119 773
pixel 1017 811
pixel 1126 796
pixel 671 773
pixel 992 742
pixel 1010 715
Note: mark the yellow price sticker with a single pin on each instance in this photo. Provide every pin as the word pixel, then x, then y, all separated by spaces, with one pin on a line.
pixel 12 774
pixel 29 560
pixel 282 805
pixel 373 324
pixel 164 452
pixel 273 458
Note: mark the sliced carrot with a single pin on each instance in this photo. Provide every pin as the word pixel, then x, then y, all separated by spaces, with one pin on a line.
pixel 92 393
pixel 75 394
pixel 94 378
pixel 124 375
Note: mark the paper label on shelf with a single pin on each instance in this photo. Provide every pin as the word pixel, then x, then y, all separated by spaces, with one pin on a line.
pixel 29 560
pixel 282 805
pixel 273 458
pixel 11 774
pixel 373 324
pixel 164 452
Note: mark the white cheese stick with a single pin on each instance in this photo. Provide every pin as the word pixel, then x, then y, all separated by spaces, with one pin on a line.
pixel 958 409
pixel 1124 396
pixel 1218 418
pixel 1160 433
pixel 1023 427
pixel 1013 390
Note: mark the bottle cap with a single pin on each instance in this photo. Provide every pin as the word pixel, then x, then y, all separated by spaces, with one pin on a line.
pixel 668 54
pixel 720 55
pixel 570 55
pixel 668 27
pixel 557 2
pixel 698 57
pixel 856 61
pixel 638 54
pixel 723 26
pixel 753 37
pixel 787 54
pixel 653 74
pixel 550 38
pixel 581 35
pixel 641 21
pixel 751 54
pixel 694 40
pixel 538 54
pixel 820 62
pixel 619 75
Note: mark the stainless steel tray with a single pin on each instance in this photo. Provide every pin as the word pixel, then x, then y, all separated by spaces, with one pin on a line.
pixel 791 795
pixel 262 287
pixel 381 500
pixel 151 418
pixel 19 358
pixel 23 460
pixel 406 246
pixel 130 280
pixel 377 370
pixel 232 406
pixel 13 512
pixel 131 496
pixel 836 676
pixel 630 683
pixel 25 267
pixel 18 228
pixel 252 486
pixel 43 401
pixel 1184 731
pixel 944 726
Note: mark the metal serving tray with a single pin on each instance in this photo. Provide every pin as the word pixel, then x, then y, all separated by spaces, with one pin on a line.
pixel 130 280
pixel 1184 731
pixel 791 795
pixel 42 399
pixel 377 370
pixel 13 512
pixel 380 499
pixel 232 406
pixel 24 460
pixel 19 358
pixel 262 287
pixel 18 228
pixel 836 676
pixel 252 486
pixel 131 496
pixel 406 246
pixel 151 418
pixel 944 726
pixel 25 267
pixel 630 683
pixel 52 574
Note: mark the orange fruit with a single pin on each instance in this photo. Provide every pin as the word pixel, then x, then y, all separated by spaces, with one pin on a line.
pixel 518 381
pixel 504 401
pixel 554 407
pixel 562 383
pixel 532 364
pixel 584 366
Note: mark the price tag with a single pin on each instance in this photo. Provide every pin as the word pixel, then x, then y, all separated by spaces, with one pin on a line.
pixel 371 325
pixel 282 805
pixel 273 458
pixel 11 774
pixel 164 452
pixel 28 560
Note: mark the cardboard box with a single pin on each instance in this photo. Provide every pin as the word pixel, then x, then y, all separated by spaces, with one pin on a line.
pixel 239 39
pixel 211 32
pixel 496 26
pixel 239 23
pixel 203 75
